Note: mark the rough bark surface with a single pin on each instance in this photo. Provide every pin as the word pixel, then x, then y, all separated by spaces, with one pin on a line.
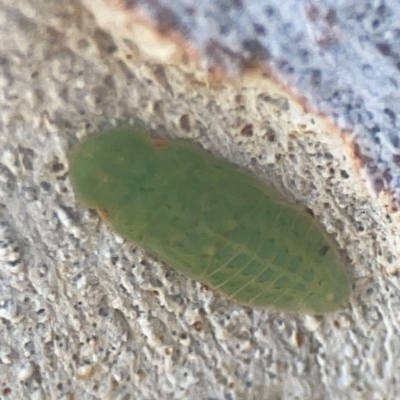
pixel 86 315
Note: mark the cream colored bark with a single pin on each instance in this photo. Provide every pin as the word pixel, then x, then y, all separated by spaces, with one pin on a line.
pixel 88 316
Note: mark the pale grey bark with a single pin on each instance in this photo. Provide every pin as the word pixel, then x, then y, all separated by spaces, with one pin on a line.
pixel 85 315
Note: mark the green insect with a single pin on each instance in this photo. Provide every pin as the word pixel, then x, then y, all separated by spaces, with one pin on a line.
pixel 210 220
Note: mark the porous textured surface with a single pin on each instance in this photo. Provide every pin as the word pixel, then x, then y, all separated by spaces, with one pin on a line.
pixel 85 315
pixel 327 52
